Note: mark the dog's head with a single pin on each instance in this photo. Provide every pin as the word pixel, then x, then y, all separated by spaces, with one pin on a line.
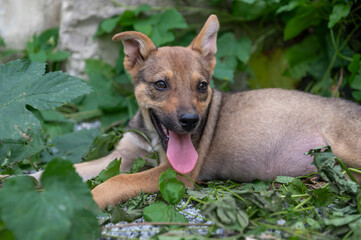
pixel 172 87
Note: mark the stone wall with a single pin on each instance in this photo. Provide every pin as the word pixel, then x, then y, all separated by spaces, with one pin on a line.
pixel 78 21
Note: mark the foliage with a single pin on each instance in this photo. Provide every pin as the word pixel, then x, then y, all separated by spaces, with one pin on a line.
pixel 40 48
pixel 308 45
pixel 64 209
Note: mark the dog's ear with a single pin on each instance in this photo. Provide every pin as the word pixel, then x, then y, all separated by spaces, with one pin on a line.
pixel 137 47
pixel 206 40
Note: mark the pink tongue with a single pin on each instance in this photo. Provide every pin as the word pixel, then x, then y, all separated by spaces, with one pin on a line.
pixel 181 153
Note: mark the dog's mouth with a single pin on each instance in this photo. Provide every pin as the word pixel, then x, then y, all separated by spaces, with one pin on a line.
pixel 178 146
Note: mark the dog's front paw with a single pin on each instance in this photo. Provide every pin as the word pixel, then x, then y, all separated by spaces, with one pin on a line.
pixel 102 196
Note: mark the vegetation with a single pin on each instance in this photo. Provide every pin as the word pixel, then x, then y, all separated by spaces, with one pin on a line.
pixel 299 44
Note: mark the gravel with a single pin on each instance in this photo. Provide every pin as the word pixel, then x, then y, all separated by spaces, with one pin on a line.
pixel 132 230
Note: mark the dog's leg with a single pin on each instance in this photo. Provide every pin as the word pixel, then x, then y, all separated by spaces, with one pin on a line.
pixel 123 187
pixel 344 138
pixel 129 148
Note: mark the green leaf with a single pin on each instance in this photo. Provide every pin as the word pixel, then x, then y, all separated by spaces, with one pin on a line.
pixel 109 24
pixel 17 150
pixel 356 81
pixel 101 80
pixel 142 8
pixel 305 17
pixel 355 68
pixel 244 48
pixel 103 145
pixel 40 56
pixel 290 6
pixel 355 65
pixel 304 52
pixel 24 83
pixel 296 186
pixel 313 224
pixel 340 221
pixel 72 146
pixel 250 9
pixel 322 197
pixel 171 189
pixel 55 124
pixel 58 56
pixel 63 210
pixel 2 42
pixel 137 165
pixel 268 71
pixel 110 171
pixel 225 214
pixel 325 163
pixel 119 214
pixel 159 26
pixel 228 45
pixel 339 11
pixel 256 185
pixel 161 212
pixel 224 70
pixel 284 179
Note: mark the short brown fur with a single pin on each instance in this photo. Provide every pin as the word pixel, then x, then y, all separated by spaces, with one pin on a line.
pixel 242 136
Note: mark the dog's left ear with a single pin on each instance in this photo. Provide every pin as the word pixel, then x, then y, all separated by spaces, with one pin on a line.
pixel 206 40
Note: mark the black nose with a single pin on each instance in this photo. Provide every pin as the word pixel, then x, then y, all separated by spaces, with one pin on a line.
pixel 188 121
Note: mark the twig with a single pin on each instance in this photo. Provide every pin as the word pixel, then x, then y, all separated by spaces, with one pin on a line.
pixel 157 224
pixel 340 80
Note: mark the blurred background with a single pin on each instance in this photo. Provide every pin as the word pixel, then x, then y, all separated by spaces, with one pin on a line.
pixel 312 46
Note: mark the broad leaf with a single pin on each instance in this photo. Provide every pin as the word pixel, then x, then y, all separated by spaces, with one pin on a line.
pixel 305 17
pixel 71 146
pixel 172 190
pixel 119 214
pixel 18 150
pixel 339 11
pixel 137 165
pixel 23 83
pixel 268 71
pixel 110 171
pixel 325 163
pixel 159 26
pixel 161 212
pixel 225 214
pixel 63 210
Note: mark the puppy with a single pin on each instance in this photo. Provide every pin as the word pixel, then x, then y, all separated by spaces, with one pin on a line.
pixel 207 134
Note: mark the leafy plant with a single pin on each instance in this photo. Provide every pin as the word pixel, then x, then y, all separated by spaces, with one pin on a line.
pixel 41 48
pixel 172 191
pixel 64 209
pixel 308 45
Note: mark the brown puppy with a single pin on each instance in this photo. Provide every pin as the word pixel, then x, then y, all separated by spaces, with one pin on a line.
pixel 206 134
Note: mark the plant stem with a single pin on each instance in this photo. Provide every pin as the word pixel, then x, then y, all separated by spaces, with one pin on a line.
pixel 303 203
pixel 190 179
pixel 236 195
pixel 85 114
pixel 34 166
pixel 343 165
pixel 355 170
pixel 189 199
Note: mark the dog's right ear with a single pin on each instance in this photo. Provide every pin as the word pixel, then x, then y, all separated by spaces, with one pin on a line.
pixel 137 47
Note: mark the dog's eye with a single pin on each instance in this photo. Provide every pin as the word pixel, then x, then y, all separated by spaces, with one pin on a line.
pixel 160 85
pixel 202 87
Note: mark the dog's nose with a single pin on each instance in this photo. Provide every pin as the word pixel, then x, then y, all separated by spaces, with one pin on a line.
pixel 188 121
